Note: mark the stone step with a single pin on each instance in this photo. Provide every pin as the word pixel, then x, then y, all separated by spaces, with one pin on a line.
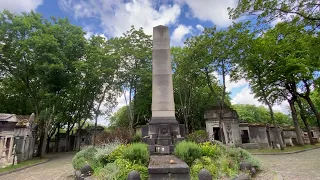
pixel 250 146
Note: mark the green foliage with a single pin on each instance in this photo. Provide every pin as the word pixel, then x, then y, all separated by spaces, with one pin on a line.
pixel 103 152
pixel 211 150
pixel 117 153
pixel 108 172
pixel 187 151
pixel 85 156
pixel 136 138
pixel 137 153
pixel 253 114
pixel 126 167
pixel 206 163
pixel 198 136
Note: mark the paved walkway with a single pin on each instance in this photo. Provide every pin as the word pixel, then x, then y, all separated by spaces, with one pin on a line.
pixel 59 168
pixel 299 166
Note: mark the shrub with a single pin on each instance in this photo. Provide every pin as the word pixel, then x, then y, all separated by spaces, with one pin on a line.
pixel 137 153
pixel 204 162
pixel 187 151
pixel 117 153
pixel 136 138
pixel 110 172
pixel 126 167
pixel 101 156
pixel 116 134
pixel 85 156
pixel 198 136
pixel 229 166
pixel 211 150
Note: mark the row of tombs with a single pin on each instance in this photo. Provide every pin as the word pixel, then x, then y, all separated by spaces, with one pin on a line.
pixel 250 136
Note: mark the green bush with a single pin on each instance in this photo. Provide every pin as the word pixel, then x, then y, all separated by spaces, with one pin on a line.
pixel 117 153
pixel 199 136
pixel 103 151
pixel 136 138
pixel 85 156
pixel 126 167
pixel 229 166
pixel 110 172
pixel 137 153
pixel 210 150
pixel 187 151
pixel 206 163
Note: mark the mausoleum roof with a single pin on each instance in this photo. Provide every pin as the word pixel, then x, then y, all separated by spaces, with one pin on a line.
pixel 8 117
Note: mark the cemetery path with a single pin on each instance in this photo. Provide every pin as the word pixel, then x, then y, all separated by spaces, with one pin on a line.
pixel 304 165
pixel 58 168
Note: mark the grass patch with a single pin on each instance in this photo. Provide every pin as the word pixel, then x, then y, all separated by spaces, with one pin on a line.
pixel 286 149
pixel 22 164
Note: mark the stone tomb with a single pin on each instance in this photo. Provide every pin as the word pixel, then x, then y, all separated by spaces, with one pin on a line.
pixel 161 168
pixel 163 130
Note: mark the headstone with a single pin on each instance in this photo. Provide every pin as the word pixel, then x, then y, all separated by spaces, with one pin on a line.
pixel 204 175
pixel 134 175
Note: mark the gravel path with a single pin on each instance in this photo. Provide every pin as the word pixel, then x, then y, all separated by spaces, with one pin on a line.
pixel 299 166
pixel 59 168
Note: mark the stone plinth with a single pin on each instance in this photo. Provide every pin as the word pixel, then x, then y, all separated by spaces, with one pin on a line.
pixel 161 168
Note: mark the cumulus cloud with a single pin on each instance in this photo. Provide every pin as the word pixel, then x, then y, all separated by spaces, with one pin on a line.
pixel 199 27
pixel 231 84
pixel 245 96
pixel 179 33
pixel 18 6
pixel 214 11
pixel 117 16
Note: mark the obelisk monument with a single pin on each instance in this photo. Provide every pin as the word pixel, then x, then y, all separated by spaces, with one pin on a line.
pixel 162 88
pixel 163 130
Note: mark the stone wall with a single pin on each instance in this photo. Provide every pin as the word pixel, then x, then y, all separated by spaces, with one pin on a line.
pixel 258 134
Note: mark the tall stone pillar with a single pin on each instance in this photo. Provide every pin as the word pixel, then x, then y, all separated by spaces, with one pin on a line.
pixel 163 130
pixel 163 110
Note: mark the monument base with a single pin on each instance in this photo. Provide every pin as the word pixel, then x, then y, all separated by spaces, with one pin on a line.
pixel 161 168
pixel 162 135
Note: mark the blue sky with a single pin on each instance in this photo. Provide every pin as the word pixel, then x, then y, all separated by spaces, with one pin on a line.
pixel 110 18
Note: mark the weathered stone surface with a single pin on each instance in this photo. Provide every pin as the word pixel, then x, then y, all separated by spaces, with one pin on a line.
pixel 86 169
pixel 161 165
pixel 244 166
pixel 134 175
pixel 144 131
pixel 253 171
pixel 204 175
pixel 78 174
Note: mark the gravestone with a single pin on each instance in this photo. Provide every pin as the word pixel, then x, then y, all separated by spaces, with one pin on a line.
pixel 163 129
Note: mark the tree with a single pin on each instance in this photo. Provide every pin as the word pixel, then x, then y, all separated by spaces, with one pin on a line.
pixel 39 54
pixel 308 11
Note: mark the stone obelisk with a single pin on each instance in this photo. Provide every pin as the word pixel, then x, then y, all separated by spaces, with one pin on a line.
pixel 163 130
pixel 163 110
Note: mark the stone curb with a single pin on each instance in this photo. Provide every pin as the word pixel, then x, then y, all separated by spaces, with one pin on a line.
pixel 284 153
pixel 25 167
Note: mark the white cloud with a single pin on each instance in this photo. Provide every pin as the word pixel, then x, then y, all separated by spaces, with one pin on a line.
pixel 211 10
pixel 246 97
pixel 117 16
pixel 18 6
pixel 231 84
pixel 179 33
pixel 199 27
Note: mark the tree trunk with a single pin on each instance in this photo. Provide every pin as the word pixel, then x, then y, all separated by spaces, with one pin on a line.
pixel 48 144
pixel 67 138
pixel 276 127
pixel 295 122
pixel 78 140
pixel 43 146
pixel 304 119
pixel 314 109
pixel 57 140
